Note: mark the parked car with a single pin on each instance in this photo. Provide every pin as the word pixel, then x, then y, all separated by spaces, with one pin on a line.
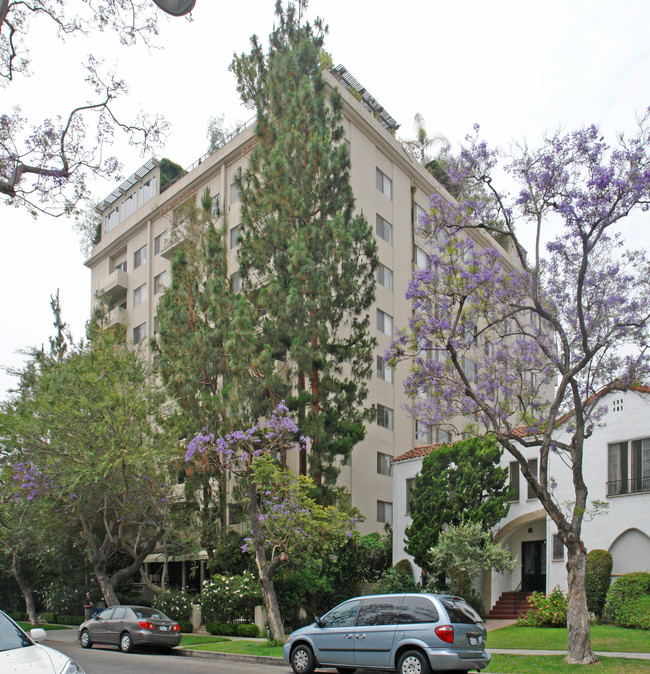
pixel 21 652
pixel 130 626
pixel 410 633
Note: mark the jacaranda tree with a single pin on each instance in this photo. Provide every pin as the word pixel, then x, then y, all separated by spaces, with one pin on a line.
pixel 530 338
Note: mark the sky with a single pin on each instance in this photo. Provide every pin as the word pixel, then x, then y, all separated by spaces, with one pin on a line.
pixel 519 69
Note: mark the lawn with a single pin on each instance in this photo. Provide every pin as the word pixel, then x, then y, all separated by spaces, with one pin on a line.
pixel 552 664
pixel 239 647
pixel 193 639
pixel 603 638
pixel 28 626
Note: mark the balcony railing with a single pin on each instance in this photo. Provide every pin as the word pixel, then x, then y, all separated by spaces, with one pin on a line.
pixel 633 485
pixel 114 285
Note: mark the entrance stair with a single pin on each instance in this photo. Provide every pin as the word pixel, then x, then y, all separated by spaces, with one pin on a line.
pixel 504 609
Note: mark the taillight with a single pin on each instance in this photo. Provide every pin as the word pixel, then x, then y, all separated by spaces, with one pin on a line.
pixel 176 628
pixel 146 625
pixel 445 633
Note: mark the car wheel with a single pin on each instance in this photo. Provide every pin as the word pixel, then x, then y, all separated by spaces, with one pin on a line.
pixel 85 640
pixel 302 660
pixel 126 643
pixel 413 662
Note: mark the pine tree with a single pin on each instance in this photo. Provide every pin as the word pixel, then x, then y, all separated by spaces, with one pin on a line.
pixel 306 260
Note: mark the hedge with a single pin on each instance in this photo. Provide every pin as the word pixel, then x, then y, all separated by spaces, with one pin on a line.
pixel 597 579
pixel 624 593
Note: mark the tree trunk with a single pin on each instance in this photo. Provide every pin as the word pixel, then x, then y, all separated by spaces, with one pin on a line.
pixel 18 570
pixel 108 591
pixel 579 635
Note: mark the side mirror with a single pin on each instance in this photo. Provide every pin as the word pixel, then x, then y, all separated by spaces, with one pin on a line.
pixel 37 634
pixel 319 620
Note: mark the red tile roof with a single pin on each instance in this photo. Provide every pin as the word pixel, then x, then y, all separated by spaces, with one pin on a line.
pixel 416 452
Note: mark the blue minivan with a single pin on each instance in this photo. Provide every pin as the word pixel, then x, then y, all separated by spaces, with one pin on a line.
pixel 407 633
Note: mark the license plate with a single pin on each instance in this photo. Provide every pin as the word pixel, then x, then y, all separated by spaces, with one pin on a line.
pixel 473 641
pixel 164 628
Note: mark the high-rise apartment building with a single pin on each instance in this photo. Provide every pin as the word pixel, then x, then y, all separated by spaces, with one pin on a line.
pixel 131 264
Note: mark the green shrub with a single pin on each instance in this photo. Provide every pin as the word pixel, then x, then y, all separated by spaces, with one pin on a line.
pixel 226 598
pixel 625 590
pixel 396 580
pixel 223 629
pixel 247 630
pixel 186 626
pixel 18 617
pixel 176 604
pixel 475 600
pixel 70 619
pixel 49 618
pixel 62 600
pixel 547 611
pixel 597 579
pixel 635 614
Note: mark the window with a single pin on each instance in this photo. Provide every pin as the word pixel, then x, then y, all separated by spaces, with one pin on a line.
pixel 384 229
pixel 139 257
pixel 384 277
pixel 488 349
pixel 384 323
pixel 215 209
pixel 617 405
pixel 139 333
pixel 140 295
pixel 158 243
pixel 384 371
pixel 384 466
pixel 235 282
pixel 418 214
pixel 420 258
pixel 416 610
pixel 235 233
pixel 410 481
pixel 341 616
pixel 158 283
pixel 129 206
pixel 147 191
pixel 384 184
pixel 423 432
pixel 628 467
pixel 532 467
pixel 155 325
pixel 111 220
pixel 384 512
pixel 443 436
pixel 234 193
pixel 380 611
pixel 385 417
pixel 558 549
pixel 121 266
pixel 514 481
pixel 470 368
pixel 235 513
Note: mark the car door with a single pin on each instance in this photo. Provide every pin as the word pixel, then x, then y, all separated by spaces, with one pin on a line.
pixel 115 625
pixel 333 637
pixel 375 630
pixel 98 628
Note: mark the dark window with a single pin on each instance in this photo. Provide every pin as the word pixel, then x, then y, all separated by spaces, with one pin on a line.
pixel 418 610
pixel 460 612
pixel 410 481
pixel 514 480
pixel 380 611
pixel 341 616
pixel 532 467
pixel 558 548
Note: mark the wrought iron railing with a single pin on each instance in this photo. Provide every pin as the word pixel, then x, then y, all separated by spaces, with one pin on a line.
pixel 633 485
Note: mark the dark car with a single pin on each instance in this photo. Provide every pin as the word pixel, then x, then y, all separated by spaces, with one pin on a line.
pixel 130 626
pixel 410 633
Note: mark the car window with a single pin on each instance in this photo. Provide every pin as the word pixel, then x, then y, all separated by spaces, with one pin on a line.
pixel 107 614
pixel 341 616
pixel 380 611
pixel 461 612
pixel 11 636
pixel 150 613
pixel 119 613
pixel 418 610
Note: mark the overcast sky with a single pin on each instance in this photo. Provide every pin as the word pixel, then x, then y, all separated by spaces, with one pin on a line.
pixel 517 68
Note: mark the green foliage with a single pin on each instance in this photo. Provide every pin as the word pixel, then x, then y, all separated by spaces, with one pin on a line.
pixel 186 626
pixel 61 599
pixel 50 618
pixel 635 613
pixel 225 598
pixel 458 483
pixel 300 233
pixel 597 579
pixel 624 591
pixel 465 550
pixel 169 171
pixel 223 629
pixel 176 604
pixel 249 630
pixel 548 611
pixel 397 579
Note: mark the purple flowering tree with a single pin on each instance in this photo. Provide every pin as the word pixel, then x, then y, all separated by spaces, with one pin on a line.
pixel 285 522
pixel 45 164
pixel 516 342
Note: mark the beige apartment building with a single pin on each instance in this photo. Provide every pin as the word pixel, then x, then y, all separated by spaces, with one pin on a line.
pixel 131 265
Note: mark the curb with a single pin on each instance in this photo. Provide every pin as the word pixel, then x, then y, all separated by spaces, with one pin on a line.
pixel 600 654
pixel 230 657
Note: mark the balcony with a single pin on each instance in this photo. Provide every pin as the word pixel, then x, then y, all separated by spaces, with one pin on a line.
pixel 116 316
pixel 635 485
pixel 114 286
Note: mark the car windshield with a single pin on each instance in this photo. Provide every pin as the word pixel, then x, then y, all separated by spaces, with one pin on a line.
pixel 11 636
pixel 148 613
pixel 461 612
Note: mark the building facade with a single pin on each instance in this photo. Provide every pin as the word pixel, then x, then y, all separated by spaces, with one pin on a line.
pixel 617 473
pixel 131 264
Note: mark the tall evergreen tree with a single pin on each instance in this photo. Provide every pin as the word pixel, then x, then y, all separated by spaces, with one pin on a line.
pixel 306 260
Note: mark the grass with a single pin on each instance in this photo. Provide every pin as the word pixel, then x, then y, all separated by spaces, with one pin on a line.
pixel 28 626
pixel 554 664
pixel 241 648
pixel 193 639
pixel 603 638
